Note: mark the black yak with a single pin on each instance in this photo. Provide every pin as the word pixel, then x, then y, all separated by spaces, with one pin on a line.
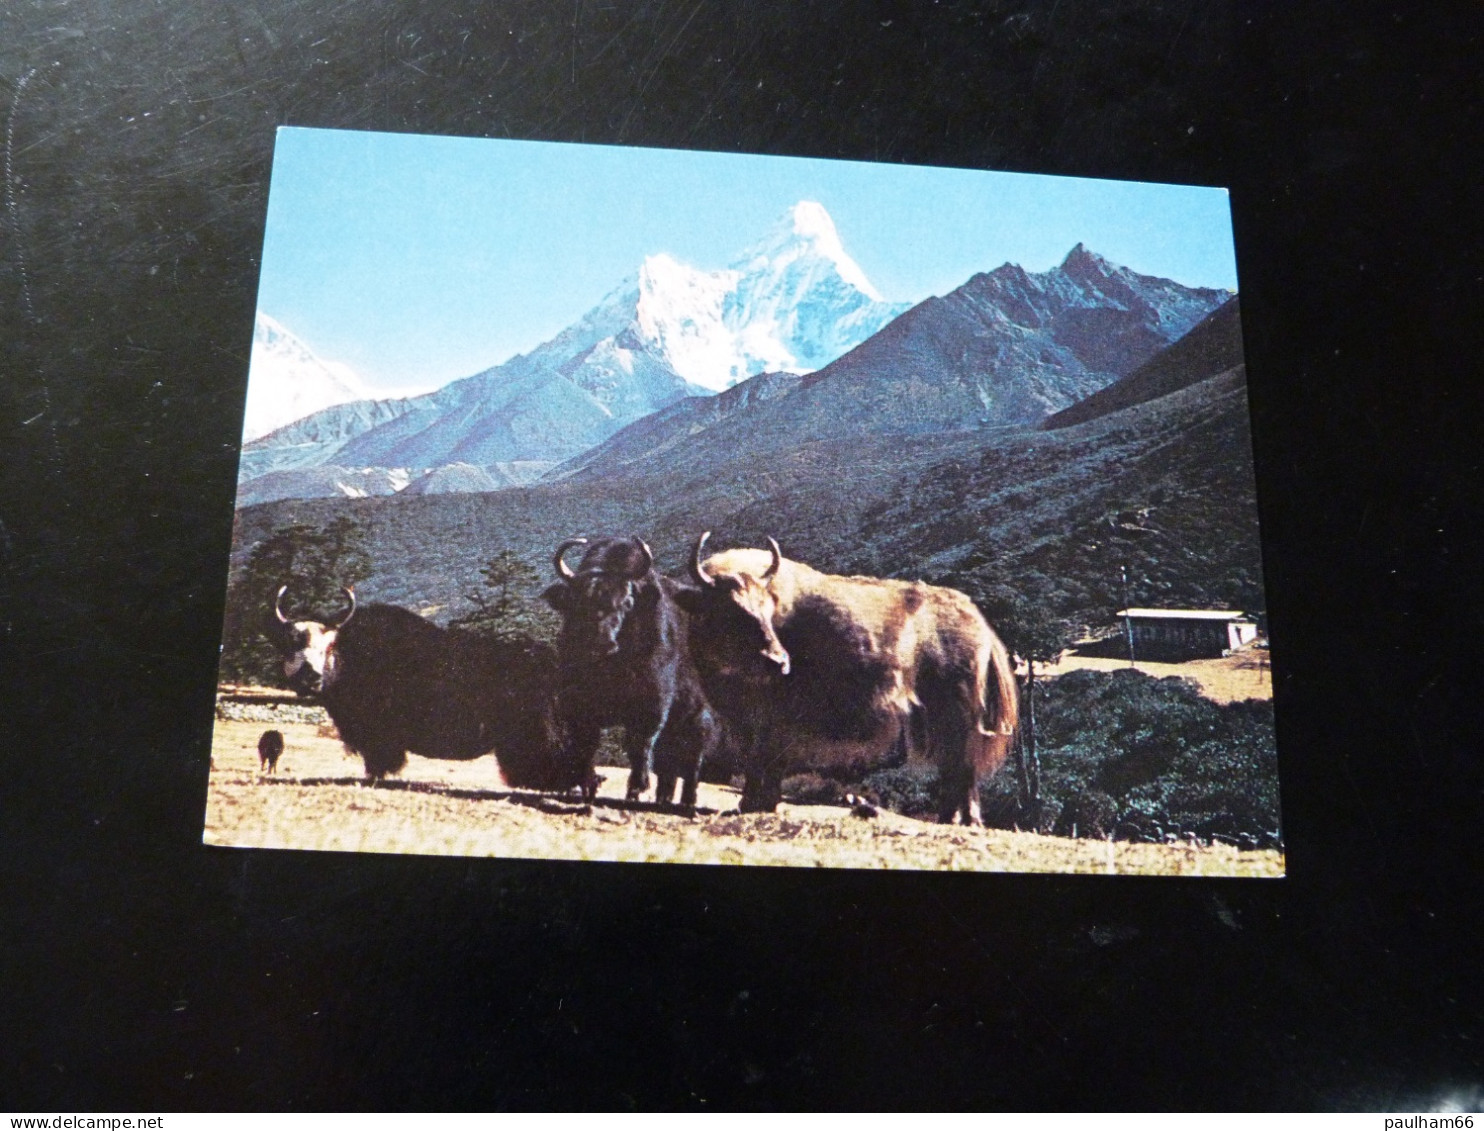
pixel 395 683
pixel 625 661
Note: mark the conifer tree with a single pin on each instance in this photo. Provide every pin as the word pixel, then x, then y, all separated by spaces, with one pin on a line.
pixel 505 606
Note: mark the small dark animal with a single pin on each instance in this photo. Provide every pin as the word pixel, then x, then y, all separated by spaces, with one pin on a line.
pixel 847 674
pixel 393 682
pixel 270 746
pixel 625 661
pixel 1091 814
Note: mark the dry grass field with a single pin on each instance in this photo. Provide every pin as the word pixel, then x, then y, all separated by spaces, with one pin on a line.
pixel 1242 675
pixel 319 801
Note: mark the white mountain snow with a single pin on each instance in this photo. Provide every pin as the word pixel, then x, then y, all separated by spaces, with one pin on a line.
pixel 801 301
pixel 287 381
pixel 791 302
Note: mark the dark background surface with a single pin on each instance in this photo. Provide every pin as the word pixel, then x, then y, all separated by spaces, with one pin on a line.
pixel 139 970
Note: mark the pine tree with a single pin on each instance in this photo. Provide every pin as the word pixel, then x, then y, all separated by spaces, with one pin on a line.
pixel 504 607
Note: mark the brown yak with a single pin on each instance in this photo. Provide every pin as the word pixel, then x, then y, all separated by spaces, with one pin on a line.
pixel 841 674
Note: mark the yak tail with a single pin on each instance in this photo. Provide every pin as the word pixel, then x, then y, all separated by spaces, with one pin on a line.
pixel 999 707
pixel 537 757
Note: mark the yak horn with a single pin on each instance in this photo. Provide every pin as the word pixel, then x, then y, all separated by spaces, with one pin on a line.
pixel 777 560
pixel 350 612
pixel 564 571
pixel 696 569
pixel 278 605
pixel 648 557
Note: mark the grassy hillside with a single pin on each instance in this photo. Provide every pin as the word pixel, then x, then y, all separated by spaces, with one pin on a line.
pixel 1164 488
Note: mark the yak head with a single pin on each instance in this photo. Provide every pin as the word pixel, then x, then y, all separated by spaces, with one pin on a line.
pixel 596 598
pixel 308 646
pixel 735 611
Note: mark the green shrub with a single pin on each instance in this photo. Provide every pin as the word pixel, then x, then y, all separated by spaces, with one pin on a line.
pixel 812 789
pixel 1172 763
pixel 909 790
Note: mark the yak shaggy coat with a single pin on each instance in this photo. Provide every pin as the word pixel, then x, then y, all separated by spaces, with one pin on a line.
pixel 846 674
pixel 394 683
pixel 625 661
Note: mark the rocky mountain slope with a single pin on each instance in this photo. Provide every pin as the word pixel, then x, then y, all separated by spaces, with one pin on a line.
pixel 1163 487
pixel 1003 350
pixel 1213 347
pixel 1006 348
pixel 791 302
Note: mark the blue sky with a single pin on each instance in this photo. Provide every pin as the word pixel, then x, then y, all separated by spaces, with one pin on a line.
pixel 417 260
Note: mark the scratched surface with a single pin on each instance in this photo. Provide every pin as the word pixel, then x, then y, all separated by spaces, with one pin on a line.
pixel 139 970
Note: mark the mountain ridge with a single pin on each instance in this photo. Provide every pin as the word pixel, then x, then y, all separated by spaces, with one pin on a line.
pixel 1213 346
pixel 945 507
pixel 1007 348
pixel 999 351
pixel 668 332
pixel 290 381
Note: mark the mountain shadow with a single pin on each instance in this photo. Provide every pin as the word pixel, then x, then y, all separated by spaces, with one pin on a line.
pixel 1211 348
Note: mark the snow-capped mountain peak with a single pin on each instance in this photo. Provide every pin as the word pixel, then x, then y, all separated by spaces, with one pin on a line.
pixel 807 232
pixel 679 317
pixel 801 301
pixel 288 381
pixel 792 302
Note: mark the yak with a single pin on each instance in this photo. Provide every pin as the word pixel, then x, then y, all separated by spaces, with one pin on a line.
pixel 270 747
pixel 394 683
pixel 625 661
pixel 848 674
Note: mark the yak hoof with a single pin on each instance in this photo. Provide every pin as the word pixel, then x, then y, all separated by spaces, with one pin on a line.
pixel 638 785
pixel 590 787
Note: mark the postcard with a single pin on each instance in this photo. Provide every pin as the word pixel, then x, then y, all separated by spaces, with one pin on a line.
pixel 614 504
